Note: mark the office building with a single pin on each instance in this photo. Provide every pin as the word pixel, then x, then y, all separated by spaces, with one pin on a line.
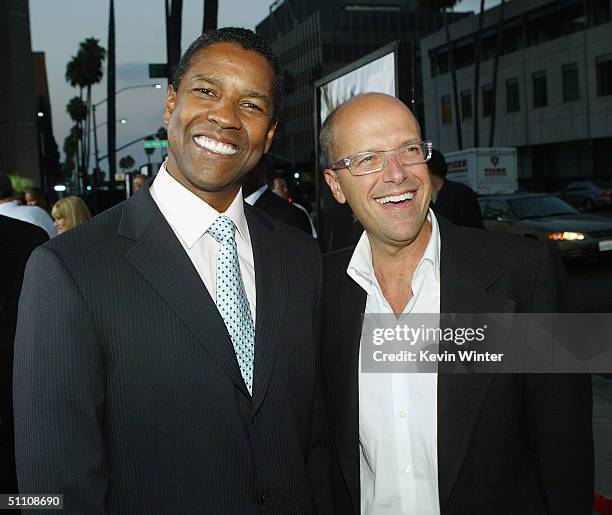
pixel 18 110
pixel 553 97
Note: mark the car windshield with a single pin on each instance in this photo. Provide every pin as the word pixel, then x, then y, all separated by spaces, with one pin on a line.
pixel 540 206
pixel 603 184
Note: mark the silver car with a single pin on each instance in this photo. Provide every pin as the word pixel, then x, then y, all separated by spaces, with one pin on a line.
pixel 548 218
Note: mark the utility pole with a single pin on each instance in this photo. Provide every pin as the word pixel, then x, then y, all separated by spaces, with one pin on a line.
pixel 111 104
pixel 211 8
pixel 174 14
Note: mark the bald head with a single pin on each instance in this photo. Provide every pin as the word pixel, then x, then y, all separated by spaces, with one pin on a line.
pixel 360 110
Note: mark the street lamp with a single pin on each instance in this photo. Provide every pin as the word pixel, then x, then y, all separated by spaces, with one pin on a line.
pixel 93 107
pixel 122 121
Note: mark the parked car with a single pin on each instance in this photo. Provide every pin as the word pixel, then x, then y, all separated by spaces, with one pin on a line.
pixel 588 194
pixel 546 217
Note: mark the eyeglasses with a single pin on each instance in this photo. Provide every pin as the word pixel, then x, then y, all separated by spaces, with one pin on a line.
pixel 364 163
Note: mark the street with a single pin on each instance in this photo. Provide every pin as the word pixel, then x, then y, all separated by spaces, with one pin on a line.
pixel 592 282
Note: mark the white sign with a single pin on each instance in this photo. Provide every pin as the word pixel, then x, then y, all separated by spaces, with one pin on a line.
pixel 377 76
pixel 605 245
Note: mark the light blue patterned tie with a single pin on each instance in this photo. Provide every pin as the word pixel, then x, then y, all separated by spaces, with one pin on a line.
pixel 232 301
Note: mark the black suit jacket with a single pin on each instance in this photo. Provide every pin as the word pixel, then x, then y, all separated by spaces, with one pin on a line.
pixel 128 395
pixel 458 203
pixel 18 239
pixel 507 443
pixel 282 210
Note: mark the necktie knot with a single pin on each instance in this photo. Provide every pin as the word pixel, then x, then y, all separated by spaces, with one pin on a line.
pixel 222 229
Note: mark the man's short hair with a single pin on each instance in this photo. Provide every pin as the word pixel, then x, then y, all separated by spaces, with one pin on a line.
pixel 6 186
pixel 247 40
pixel 326 136
pixel 437 163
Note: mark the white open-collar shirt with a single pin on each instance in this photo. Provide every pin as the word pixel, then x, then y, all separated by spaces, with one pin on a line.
pixel 398 411
pixel 190 217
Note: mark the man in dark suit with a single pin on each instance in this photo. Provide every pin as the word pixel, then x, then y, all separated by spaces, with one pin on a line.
pixel 157 365
pixel 452 200
pixel 257 193
pixel 18 239
pixel 438 443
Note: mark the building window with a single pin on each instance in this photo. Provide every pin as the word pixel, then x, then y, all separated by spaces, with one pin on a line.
pixel 570 82
pixel 604 75
pixel 487 101
pixel 513 99
pixel 447 110
pixel 540 95
pixel 466 104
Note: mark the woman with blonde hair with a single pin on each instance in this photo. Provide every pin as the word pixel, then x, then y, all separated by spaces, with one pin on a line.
pixel 69 212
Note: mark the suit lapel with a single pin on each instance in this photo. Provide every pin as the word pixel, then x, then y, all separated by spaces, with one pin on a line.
pixel 466 273
pixel 345 304
pixel 272 284
pixel 159 257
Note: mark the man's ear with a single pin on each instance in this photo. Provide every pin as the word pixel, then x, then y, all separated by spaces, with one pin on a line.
pixel 170 103
pixel 270 137
pixel 331 178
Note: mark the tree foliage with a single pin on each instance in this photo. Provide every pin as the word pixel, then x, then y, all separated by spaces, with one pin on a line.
pixel 126 162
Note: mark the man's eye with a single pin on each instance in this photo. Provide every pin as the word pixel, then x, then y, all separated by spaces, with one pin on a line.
pixel 205 91
pixel 250 105
pixel 367 158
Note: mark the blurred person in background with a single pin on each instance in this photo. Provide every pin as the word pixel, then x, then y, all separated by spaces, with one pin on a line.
pixel 453 200
pixel 36 197
pixel 69 212
pixel 257 193
pixel 19 239
pixel 279 186
pixel 138 182
pixel 10 207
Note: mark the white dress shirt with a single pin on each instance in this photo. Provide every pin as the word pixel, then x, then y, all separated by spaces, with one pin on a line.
pixel 398 411
pixel 254 197
pixel 190 217
pixel 31 214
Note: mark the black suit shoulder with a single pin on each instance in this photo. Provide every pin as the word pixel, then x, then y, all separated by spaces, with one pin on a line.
pixel 19 239
pixel 297 241
pixel 282 210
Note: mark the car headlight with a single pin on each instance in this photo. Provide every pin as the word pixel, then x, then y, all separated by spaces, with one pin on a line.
pixel 565 236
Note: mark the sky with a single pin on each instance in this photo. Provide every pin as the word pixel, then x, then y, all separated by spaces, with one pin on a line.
pixel 58 26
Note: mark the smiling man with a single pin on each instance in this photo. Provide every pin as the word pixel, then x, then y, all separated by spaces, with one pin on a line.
pixel 438 443
pixel 158 367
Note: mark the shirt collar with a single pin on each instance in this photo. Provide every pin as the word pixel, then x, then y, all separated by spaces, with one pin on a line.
pixel 188 214
pixel 254 197
pixel 360 267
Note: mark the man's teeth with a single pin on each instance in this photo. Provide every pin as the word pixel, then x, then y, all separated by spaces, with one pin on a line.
pixel 396 198
pixel 215 146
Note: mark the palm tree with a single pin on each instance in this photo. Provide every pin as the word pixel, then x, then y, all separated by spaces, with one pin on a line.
pixel 445 6
pixel 83 71
pixel 93 56
pixel 211 8
pixel 126 162
pixel 477 59
pixel 498 49
pixel 77 110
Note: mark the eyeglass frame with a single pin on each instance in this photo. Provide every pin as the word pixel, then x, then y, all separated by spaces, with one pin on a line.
pixel 345 162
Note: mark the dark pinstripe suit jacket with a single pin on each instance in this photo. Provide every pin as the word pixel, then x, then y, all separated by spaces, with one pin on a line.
pixel 128 395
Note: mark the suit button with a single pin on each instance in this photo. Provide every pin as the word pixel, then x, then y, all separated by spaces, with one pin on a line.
pixel 264 499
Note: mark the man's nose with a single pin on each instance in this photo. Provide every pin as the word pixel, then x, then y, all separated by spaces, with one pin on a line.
pixel 223 113
pixel 394 171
